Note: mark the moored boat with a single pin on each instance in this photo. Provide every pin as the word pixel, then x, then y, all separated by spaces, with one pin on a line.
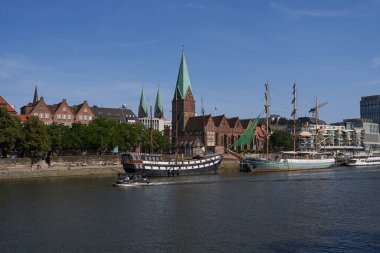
pixel 157 165
pixel 291 161
pixel 364 160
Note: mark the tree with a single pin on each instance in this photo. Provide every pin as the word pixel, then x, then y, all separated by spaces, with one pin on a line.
pixel 280 141
pixel 36 142
pixel 57 134
pixel 10 131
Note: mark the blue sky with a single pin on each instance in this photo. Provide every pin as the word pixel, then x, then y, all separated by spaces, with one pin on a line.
pixel 105 51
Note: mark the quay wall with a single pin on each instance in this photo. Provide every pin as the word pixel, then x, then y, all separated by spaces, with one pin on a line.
pixel 65 166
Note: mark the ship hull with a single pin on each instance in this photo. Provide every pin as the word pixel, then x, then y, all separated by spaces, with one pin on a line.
pixel 156 166
pixel 260 165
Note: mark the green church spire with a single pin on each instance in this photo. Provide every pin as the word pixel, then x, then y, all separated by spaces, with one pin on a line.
pixel 183 80
pixel 142 106
pixel 158 110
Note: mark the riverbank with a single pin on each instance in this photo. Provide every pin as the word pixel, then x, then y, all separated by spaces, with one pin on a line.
pixel 227 165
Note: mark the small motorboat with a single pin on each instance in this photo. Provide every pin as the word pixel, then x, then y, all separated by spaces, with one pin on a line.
pixel 131 180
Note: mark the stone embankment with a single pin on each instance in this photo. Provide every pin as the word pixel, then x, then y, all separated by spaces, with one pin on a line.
pixel 64 166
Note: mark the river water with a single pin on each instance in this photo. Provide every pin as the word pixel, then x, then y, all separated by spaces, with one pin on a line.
pixel 334 210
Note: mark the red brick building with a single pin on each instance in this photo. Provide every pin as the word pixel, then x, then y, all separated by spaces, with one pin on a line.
pixel 190 133
pixel 7 106
pixel 60 113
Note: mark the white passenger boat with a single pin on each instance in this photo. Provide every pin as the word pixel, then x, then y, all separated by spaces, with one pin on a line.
pixel 364 160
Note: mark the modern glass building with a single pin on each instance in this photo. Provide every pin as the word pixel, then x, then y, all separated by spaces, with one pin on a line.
pixel 370 108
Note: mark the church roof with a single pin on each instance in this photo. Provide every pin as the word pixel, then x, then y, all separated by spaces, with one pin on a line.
pixel 183 79
pixel 232 121
pixel 142 106
pixel 158 109
pixel 218 120
pixel 245 122
pixel 196 123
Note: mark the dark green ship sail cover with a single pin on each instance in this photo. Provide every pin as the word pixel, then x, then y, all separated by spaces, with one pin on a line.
pixel 247 137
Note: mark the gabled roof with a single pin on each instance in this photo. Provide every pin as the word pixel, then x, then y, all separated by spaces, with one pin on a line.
pixel 158 109
pixel 218 120
pixel 7 106
pixel 196 123
pixel 53 107
pixel 245 122
pixel 39 103
pixel 142 106
pixel 113 113
pixel 183 79
pixel 232 121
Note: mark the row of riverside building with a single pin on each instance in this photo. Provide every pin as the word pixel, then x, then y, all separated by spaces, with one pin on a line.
pixel 189 133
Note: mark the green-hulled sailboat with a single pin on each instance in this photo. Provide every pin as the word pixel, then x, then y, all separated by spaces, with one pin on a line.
pixel 286 161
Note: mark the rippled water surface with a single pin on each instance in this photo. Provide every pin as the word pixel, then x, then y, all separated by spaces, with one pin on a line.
pixel 335 210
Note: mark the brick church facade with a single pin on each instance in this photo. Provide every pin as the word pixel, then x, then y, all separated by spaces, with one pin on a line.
pixel 193 134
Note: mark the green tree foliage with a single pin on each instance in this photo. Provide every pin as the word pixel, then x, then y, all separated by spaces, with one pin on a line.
pixel 36 142
pixel 280 141
pixel 58 134
pixel 10 131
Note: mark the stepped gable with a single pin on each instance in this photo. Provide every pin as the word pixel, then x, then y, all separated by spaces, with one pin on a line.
pixel 7 106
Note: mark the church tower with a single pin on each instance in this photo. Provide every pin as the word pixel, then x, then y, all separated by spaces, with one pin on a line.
pixel 183 104
pixel 143 112
pixel 158 110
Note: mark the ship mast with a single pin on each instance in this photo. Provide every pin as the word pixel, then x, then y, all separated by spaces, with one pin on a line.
pixel 267 117
pixel 294 116
pixel 316 124
pixel 204 130
pixel 176 122
pixel 151 131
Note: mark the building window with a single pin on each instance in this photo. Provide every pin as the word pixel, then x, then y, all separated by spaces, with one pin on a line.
pixel 41 115
pixel 63 116
pixel 64 109
pixel 85 117
pixel 35 114
pixel 68 116
pixel 58 116
pixel 80 116
pixel 46 115
pixel 89 118
pixel 85 109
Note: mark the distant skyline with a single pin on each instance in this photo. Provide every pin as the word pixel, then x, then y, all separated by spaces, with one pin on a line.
pixel 106 51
